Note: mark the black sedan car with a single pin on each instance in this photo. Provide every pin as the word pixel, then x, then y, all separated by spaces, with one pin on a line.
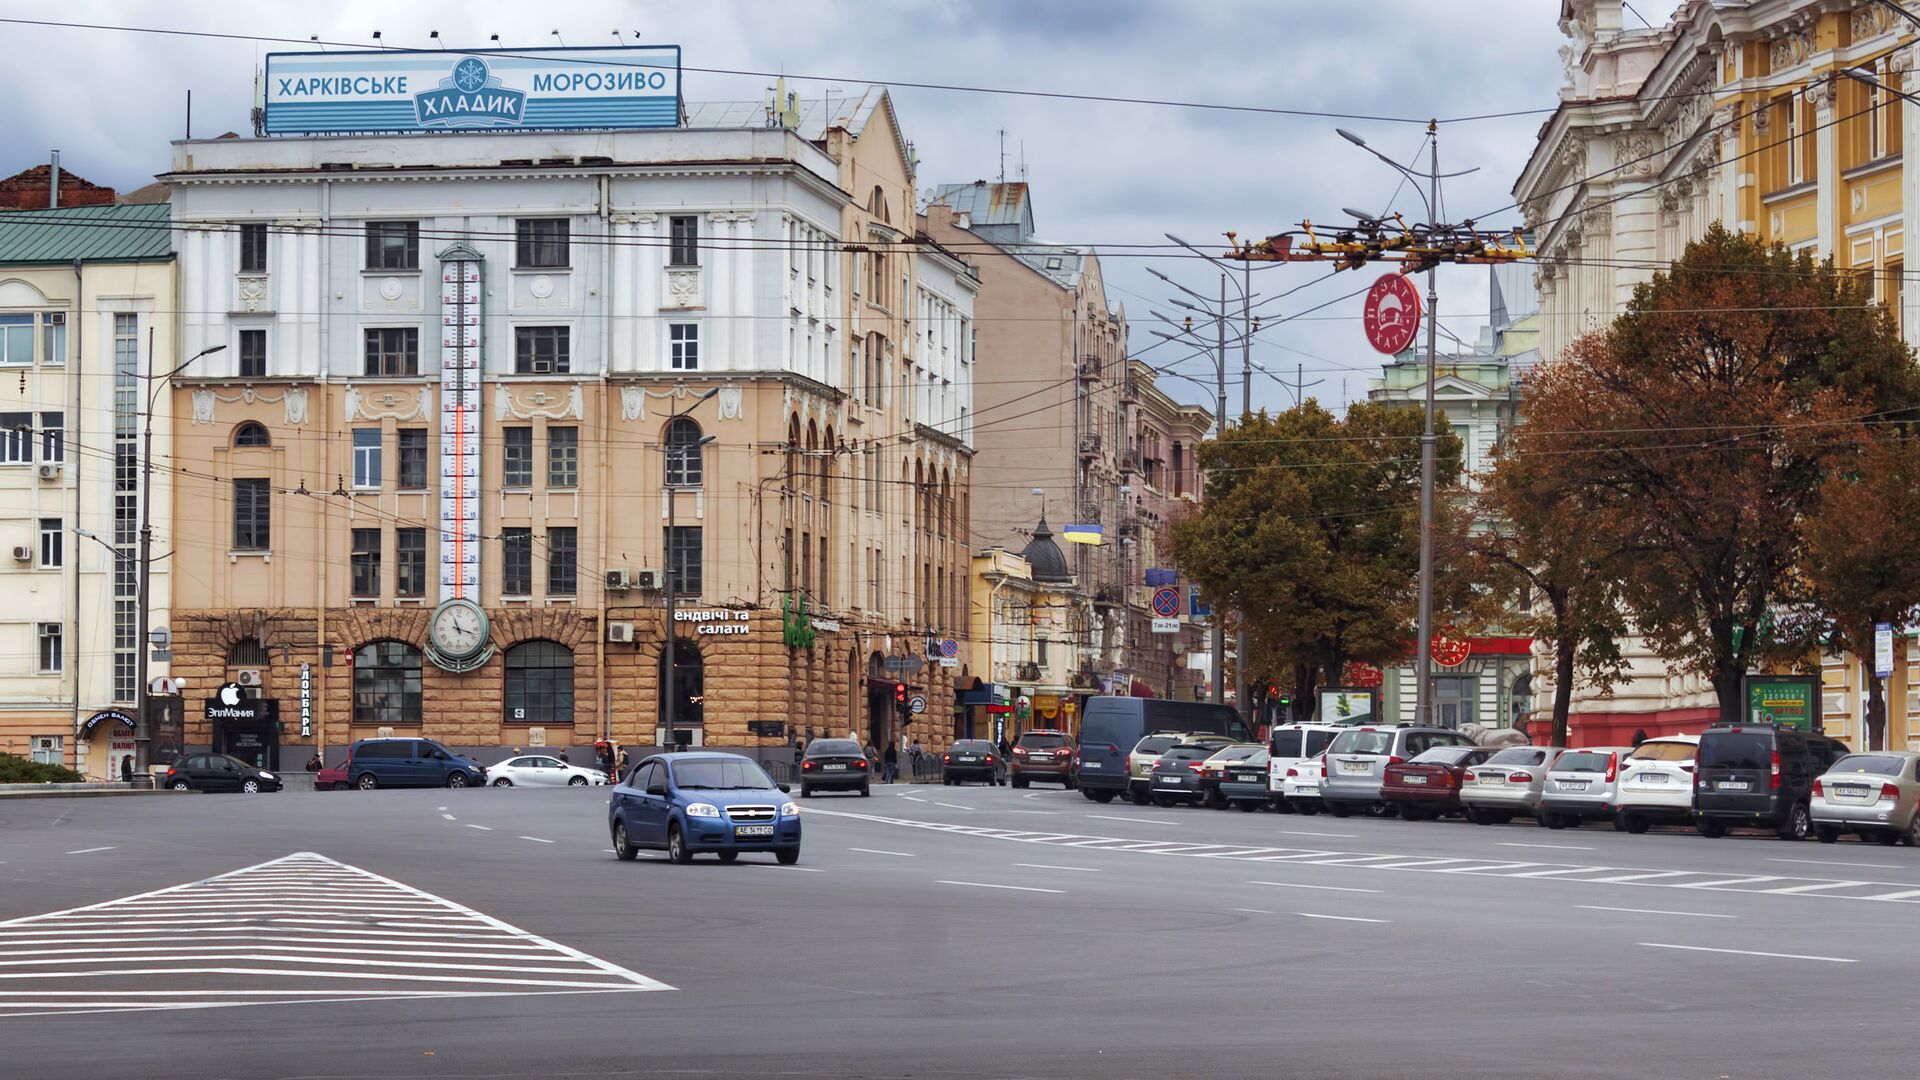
pixel 969 759
pixel 217 772
pixel 834 765
pixel 1176 776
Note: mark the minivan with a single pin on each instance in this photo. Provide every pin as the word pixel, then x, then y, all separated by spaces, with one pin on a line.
pixel 1112 726
pixel 1759 776
pixel 1289 748
pixel 378 763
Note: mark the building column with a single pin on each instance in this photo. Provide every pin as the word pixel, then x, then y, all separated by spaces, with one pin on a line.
pixel 1826 165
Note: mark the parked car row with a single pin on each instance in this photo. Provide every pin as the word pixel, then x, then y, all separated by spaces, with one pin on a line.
pixel 406 762
pixel 1762 776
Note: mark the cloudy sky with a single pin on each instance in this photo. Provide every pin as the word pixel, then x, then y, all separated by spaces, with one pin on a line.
pixel 1109 174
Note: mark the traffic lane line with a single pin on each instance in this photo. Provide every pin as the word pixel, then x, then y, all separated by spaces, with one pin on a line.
pixel 1142 820
pixel 1555 847
pixel 879 851
pixel 482 828
pixel 1834 862
pixel 1253 910
pixel 1657 911
pixel 1339 918
pixel 1011 888
pixel 536 839
pixel 91 850
pixel 1748 952
pixel 1320 888
pixel 1051 866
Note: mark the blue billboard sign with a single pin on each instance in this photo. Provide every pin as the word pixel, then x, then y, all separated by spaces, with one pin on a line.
pixel 486 89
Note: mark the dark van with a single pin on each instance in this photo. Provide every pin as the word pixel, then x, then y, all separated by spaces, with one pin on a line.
pixel 378 763
pixel 1758 776
pixel 1111 725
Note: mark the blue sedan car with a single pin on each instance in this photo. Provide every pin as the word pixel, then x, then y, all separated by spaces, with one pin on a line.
pixel 694 802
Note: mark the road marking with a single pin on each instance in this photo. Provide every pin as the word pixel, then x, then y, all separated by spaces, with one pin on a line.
pixel 439 808
pixel 90 850
pixel 1750 952
pixel 1555 847
pixel 1050 866
pixel 449 817
pixel 953 806
pixel 913 798
pixel 1035 795
pixel 482 828
pixel 1657 911
pixel 1253 911
pixel 303 927
pixel 777 866
pixel 1815 887
pixel 536 840
pixel 1322 888
pixel 1141 820
pixel 1833 862
pixel 1302 832
pixel 1722 883
pixel 987 885
pixel 878 851
pixel 1338 918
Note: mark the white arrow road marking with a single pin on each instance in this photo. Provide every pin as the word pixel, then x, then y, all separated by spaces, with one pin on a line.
pixel 301 928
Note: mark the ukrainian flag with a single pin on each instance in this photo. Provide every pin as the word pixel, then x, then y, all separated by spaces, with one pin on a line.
pixel 1082 534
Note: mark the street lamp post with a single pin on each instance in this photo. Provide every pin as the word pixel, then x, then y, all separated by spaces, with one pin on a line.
pixel 143 734
pixel 669 678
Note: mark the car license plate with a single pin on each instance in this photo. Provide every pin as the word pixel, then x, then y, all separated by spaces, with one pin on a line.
pixel 1851 792
pixel 1307 787
pixel 1244 776
pixel 1732 785
pixel 1414 779
pixel 1089 764
pixel 836 768
pixel 1574 785
pixel 749 831
pixel 1171 779
pixel 1651 778
pixel 1353 766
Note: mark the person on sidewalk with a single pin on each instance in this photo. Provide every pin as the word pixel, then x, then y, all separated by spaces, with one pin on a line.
pixel 891 762
pixel 126 770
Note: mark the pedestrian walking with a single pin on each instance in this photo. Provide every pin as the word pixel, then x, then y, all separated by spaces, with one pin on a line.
pixel 891 763
pixel 126 770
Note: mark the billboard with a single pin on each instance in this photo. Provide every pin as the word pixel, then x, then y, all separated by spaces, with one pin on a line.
pixel 485 89
pixel 1789 700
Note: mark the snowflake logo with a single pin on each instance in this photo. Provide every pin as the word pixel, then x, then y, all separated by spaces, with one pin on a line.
pixel 470 74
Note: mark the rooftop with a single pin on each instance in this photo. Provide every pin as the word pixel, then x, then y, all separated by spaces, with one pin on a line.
pixel 140 232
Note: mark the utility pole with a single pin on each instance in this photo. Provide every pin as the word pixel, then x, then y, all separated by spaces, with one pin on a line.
pixel 669 678
pixel 1246 410
pixel 1218 617
pixel 1423 636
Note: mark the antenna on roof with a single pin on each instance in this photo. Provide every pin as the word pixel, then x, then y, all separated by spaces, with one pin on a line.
pixel 558 38
pixel 1003 155
pixel 1023 161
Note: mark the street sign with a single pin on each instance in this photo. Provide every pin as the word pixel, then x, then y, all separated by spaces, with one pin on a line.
pixel 949 661
pixel 904 663
pixel 949 647
pixel 1883 649
pixel 1166 602
pixel 1195 607
pixel 1166 626
pixel 1392 313
pixel 918 705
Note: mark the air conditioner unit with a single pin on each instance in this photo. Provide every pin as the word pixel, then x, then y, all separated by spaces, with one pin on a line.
pixel 620 633
pixel 22 553
pixel 648 580
pixel 249 677
pixel 49 470
pixel 619 581
pixel 540 367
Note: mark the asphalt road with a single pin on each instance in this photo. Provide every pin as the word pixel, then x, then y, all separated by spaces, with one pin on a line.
pixel 932 932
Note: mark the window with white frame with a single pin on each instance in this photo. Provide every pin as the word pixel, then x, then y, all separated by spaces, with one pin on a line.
pixel 53 535
pixel 49 750
pixel 16 438
pixel 16 339
pixel 53 436
pixel 366 457
pixel 52 653
pixel 53 337
pixel 683 346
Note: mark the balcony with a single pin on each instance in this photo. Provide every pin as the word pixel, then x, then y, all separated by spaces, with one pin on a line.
pixel 1090 369
pixel 1089 447
pixel 1027 672
pixel 1129 390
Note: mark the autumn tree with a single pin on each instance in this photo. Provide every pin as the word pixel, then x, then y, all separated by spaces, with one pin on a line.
pixel 1310 532
pixel 1701 425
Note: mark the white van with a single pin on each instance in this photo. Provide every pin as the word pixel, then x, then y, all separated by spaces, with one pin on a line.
pixel 1293 765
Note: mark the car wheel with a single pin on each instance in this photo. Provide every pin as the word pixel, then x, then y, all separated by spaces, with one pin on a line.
pixel 1826 834
pixel 1381 810
pixel 1103 796
pixel 1887 839
pixel 1410 812
pixel 1019 781
pixel 1912 833
pixel 503 782
pixel 456 779
pixel 1710 828
pixel 578 781
pixel 1799 824
pixel 250 786
pixel 1477 816
pixel 865 791
pixel 1067 784
pixel 182 785
pixel 1619 825
pixel 1088 795
pixel 1634 823
pixel 1139 796
pixel 677 845
pixel 1308 809
pixel 1339 809
pixel 1247 806
pixel 787 858
pixel 1164 802
pixel 729 856
pixel 368 782
pixel 623 848
pixel 1551 821
pixel 806 792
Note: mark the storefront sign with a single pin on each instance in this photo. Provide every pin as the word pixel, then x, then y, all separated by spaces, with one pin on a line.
pixel 418 90
pixel 826 626
pixel 107 716
pixel 1391 315
pixel 306 701
pixel 232 703
pixel 1787 700
pixel 716 621
pixel 796 627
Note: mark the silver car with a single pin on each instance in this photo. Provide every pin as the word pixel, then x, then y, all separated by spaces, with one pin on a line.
pixel 1357 760
pixel 1581 786
pixel 1507 785
pixel 1873 794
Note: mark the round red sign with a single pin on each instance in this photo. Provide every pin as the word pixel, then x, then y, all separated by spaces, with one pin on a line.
pixel 1449 651
pixel 1392 314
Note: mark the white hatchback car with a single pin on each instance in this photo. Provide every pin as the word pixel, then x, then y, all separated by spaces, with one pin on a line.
pixel 540 770
pixel 1656 783
pixel 1506 785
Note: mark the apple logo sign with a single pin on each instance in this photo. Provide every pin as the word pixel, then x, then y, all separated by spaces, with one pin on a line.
pixel 230 694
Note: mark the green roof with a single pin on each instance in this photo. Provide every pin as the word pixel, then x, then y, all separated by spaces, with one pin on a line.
pixel 114 233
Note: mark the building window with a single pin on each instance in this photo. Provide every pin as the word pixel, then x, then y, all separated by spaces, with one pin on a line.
pixel 413 459
pixel 516 561
pixel 253 354
pixel 53 536
pixel 53 436
pixel 563 457
pixel 252 514
pixel 683 559
pixel 393 350
pixel 366 458
pixel 541 350
pixel 386 684
pixel 540 244
pixel 686 465
pixel 516 457
pixel 253 248
pixel 539 686
pixel 689 685
pixel 248 652
pixel 49 750
pixel 393 245
pixel 563 561
pixel 685 248
pixel 53 337
pixel 410 562
pixel 16 339
pixel 251 436
pixel 16 438
pixel 366 562
pixel 683 346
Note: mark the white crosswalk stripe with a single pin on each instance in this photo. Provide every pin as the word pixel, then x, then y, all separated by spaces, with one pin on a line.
pixel 1807 887
pixel 303 928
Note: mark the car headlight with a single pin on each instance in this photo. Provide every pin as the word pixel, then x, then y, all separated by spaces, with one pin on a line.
pixel 264 775
pixel 789 810
pixel 701 809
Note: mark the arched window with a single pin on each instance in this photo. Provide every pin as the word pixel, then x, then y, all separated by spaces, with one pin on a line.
pixel 386 684
pixel 250 435
pixel 810 466
pixel 877 204
pixel 248 652
pixel 690 682
pixel 539 683
pixel 793 453
pixel 685 464
pixel 826 467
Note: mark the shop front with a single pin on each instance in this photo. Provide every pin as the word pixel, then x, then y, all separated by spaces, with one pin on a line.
pixel 246 727
pixel 109 738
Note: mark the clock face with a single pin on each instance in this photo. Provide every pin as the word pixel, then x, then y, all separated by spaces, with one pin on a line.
pixel 459 629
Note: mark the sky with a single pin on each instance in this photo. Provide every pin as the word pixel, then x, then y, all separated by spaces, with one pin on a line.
pixel 1117 176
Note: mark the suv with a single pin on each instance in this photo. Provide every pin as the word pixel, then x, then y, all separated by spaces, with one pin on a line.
pixel 1042 755
pixel 1759 775
pixel 1356 762
pixel 1146 754
pixel 1656 782
pixel 378 763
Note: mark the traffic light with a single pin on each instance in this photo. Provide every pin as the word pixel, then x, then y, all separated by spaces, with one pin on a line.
pixel 900 697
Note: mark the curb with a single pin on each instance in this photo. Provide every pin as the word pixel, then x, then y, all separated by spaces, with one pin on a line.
pixel 56 791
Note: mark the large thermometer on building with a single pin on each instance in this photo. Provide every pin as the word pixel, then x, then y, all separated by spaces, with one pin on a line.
pixel 460 637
